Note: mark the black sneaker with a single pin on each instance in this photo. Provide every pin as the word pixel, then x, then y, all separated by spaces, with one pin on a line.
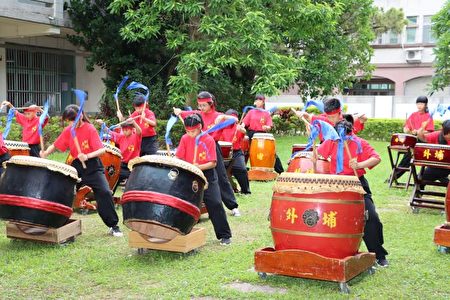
pixel 382 262
pixel 225 241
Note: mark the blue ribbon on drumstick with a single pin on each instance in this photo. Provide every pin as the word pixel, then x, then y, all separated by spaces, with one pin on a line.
pixel 43 116
pixel 343 137
pixel 137 85
pixel 81 95
pixel 9 119
pixel 119 87
pixel 318 104
pixel 216 127
pixel 172 120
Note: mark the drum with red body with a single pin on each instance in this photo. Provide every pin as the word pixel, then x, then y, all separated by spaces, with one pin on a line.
pixel 162 197
pixel 37 191
pixel 318 213
pixel 403 141
pixel 302 163
pixel 432 155
pixel 17 148
pixel 298 148
pixel 227 150
pixel 262 151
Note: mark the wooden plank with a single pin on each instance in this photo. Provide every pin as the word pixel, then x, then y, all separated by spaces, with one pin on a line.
pixel 49 235
pixel 182 243
pixel 442 236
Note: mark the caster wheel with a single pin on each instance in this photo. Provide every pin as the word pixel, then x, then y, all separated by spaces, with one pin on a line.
pixel 343 286
pixel 262 275
pixel 140 251
pixel 415 210
pixel 443 249
pixel 371 270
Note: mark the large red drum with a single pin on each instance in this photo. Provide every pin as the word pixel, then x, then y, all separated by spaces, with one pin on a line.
pixel 447 205
pixel 302 163
pixel 403 141
pixel 227 150
pixel 318 213
pixel 17 148
pixel 262 151
pixel 298 148
pixel 432 155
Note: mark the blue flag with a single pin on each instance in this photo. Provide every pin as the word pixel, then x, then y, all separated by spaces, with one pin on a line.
pixel 318 104
pixel 81 95
pixel 9 119
pixel 172 120
pixel 119 87
pixel 43 116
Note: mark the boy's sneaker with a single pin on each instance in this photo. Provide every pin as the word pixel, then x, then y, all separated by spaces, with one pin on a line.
pixel 225 241
pixel 382 262
pixel 235 212
pixel 115 231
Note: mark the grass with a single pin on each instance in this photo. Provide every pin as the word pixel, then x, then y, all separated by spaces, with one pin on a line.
pixel 97 266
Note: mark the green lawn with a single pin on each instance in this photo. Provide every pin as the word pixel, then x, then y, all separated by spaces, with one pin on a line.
pixel 97 266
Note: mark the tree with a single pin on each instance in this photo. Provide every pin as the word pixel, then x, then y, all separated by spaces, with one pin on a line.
pixel 317 44
pixel 441 25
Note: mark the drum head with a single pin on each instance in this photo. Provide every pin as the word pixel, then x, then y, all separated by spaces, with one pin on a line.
pixel 111 149
pixel 264 136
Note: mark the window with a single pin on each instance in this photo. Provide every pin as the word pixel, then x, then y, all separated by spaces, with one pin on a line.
pixel 427 37
pixel 411 29
pixel 387 38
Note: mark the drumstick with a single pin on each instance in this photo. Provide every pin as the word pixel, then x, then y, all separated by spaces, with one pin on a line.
pixel 349 156
pixel 308 125
pixel 314 149
pixel 168 149
pixel 77 145
pixel 195 154
pixel 143 112
pixel 123 122
pixel 41 138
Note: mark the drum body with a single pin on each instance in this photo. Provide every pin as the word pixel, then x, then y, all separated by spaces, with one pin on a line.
pixel 262 151
pixel 432 155
pixel 318 213
pixel 403 141
pixel 302 163
pixel 447 205
pixel 37 191
pixel 227 150
pixel 298 147
pixel 245 147
pixel 162 197
pixel 111 161
pixel 17 148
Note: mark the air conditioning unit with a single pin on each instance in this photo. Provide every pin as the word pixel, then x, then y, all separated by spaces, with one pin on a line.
pixel 413 55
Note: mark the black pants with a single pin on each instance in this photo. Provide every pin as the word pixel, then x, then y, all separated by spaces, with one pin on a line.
pixel 278 167
pixel 213 203
pixel 124 174
pixel 373 230
pixel 239 170
pixel 34 150
pixel 94 177
pixel 433 174
pixel 226 191
pixel 149 145
pixel 3 157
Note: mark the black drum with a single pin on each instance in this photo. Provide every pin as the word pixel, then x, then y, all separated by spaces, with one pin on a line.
pixel 37 191
pixel 162 197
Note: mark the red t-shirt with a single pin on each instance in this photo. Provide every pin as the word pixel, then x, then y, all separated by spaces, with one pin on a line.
pixel 231 134
pixel 416 120
pixel 329 149
pixel 147 130
pixel 255 119
pixel 433 137
pixel 130 146
pixel 3 148
pixel 87 138
pixel 30 133
pixel 208 120
pixel 206 150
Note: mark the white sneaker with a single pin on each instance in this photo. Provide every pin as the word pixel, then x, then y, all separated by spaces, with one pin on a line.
pixel 235 212
pixel 115 231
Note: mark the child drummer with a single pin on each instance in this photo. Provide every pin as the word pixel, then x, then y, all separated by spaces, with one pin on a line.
pixel 362 156
pixel 206 161
pixel 30 123
pixel 94 174
pixel 149 143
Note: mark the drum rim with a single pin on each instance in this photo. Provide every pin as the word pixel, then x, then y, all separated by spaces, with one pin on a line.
pixel 434 146
pixel 111 149
pixel 269 136
pixel 171 161
pixel 18 145
pixel 43 163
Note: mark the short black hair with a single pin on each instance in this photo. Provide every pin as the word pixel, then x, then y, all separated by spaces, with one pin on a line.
pixel 260 97
pixel 193 120
pixel 348 127
pixel 138 100
pixel 331 104
pixel 29 103
pixel 349 118
pixel 446 127
pixel 70 113
pixel 204 95
pixel 422 99
pixel 232 112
